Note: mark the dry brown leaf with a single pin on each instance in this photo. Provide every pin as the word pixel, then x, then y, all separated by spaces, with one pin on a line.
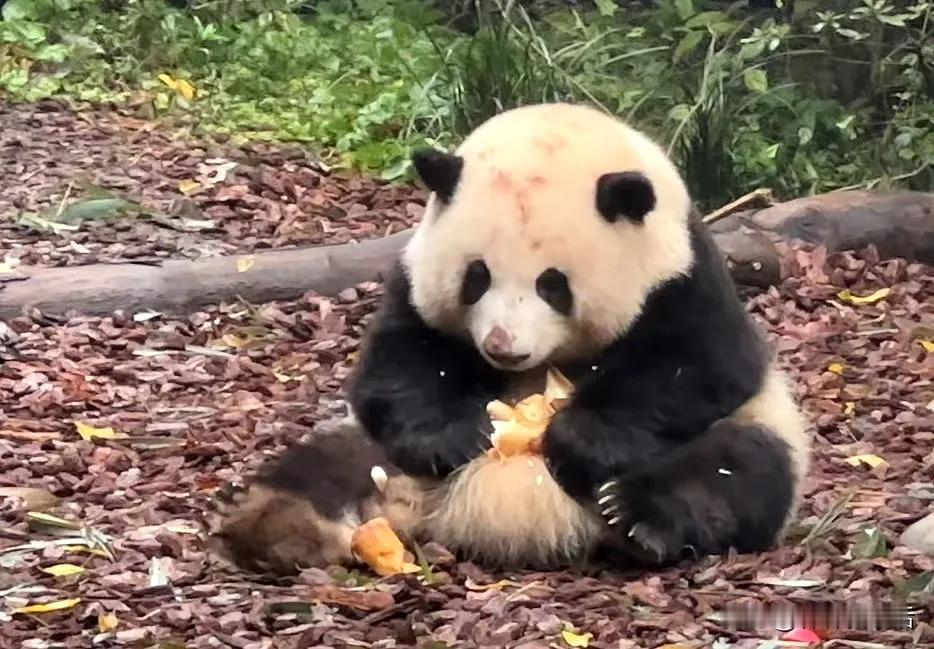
pixel 32 497
pixel 360 600
pixel 470 584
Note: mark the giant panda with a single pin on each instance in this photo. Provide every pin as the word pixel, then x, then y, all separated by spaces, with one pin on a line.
pixel 556 235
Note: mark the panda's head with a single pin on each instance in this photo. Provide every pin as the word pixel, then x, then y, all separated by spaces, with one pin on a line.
pixel 545 232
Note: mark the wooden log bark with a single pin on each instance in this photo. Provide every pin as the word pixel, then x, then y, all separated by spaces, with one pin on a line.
pixel 181 286
pixel 899 224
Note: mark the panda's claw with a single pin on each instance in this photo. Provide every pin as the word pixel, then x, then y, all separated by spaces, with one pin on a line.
pixel 648 539
pixel 609 504
pixel 606 486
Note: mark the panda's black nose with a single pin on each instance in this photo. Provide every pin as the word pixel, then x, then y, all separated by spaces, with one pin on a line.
pixel 508 359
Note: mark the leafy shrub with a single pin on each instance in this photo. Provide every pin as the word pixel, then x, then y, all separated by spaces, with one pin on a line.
pixel 833 94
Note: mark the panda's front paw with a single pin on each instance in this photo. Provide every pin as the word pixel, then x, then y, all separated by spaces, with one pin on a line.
pixel 645 536
pixel 568 447
pixel 656 545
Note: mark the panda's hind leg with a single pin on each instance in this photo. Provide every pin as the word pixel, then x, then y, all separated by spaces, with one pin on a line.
pixel 730 488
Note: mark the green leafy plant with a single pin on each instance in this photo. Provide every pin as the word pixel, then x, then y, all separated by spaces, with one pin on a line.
pixel 819 96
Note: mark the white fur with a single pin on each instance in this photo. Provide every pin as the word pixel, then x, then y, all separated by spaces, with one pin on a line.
pixel 775 408
pixel 511 511
pixel 526 201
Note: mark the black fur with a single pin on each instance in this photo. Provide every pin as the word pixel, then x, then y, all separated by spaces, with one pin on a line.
pixel 439 171
pixel 628 194
pixel 645 409
pixel 552 287
pixel 692 357
pixel 421 393
pixel 476 282
pixel 728 488
pixel 332 471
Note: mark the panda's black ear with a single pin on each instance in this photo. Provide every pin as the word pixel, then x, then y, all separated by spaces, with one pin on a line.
pixel 627 194
pixel 439 171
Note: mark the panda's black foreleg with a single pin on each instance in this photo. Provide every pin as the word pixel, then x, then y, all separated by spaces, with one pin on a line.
pixel 732 487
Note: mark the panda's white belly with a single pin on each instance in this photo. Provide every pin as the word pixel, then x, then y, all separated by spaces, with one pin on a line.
pixel 511 510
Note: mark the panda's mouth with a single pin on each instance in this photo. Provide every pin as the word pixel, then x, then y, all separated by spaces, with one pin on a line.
pixel 514 363
pixel 508 360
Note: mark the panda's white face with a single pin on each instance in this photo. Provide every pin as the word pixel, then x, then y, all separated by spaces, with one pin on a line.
pixel 544 234
pixel 516 324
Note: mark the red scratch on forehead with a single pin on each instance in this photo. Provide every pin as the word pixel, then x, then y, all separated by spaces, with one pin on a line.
pixel 550 143
pixel 501 181
pixel 525 210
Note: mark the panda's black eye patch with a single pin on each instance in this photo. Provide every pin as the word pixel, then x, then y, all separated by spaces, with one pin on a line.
pixel 476 282
pixel 552 286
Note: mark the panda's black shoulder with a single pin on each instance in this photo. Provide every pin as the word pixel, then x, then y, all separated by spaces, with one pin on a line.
pixel 698 317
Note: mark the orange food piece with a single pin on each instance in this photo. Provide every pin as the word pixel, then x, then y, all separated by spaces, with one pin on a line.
pixel 377 545
pixel 517 430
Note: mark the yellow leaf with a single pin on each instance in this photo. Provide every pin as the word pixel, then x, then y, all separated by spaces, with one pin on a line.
pixel 84 548
pixel 850 406
pixel 869 460
pixel 185 89
pixel 63 570
pixel 180 86
pixel 576 639
pixel 48 520
pixel 846 296
pixel 107 622
pixel 928 345
pixel 188 186
pixel 89 432
pixel 245 263
pixel 60 605
pixel 836 368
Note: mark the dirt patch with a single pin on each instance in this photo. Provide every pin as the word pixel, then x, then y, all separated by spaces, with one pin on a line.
pixel 274 195
pixel 204 400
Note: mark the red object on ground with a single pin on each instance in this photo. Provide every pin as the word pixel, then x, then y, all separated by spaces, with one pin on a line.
pixel 802 635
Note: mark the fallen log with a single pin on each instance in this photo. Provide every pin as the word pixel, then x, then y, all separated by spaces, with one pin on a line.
pixel 898 224
pixel 179 286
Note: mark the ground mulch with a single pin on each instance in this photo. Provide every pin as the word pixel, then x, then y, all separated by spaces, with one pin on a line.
pixel 194 405
pixel 274 196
